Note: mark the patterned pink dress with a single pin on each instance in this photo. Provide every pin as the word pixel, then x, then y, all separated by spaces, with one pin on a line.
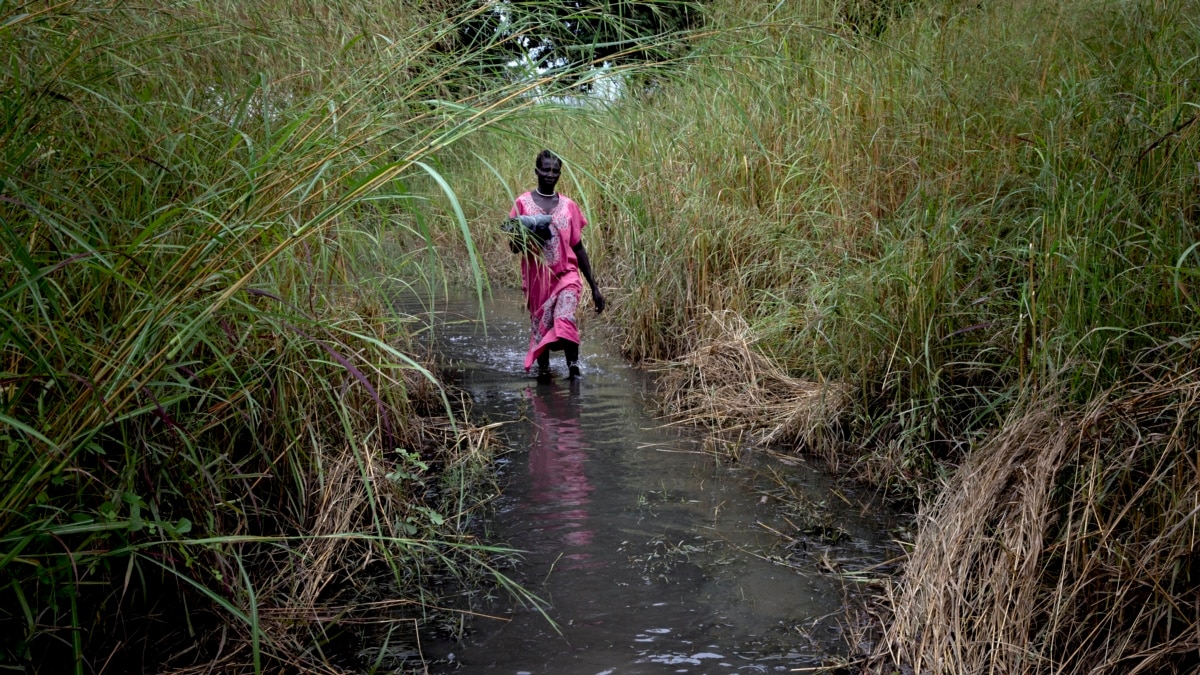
pixel 551 280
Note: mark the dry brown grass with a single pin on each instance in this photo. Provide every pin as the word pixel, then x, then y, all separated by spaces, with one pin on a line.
pixel 1066 544
pixel 357 562
pixel 727 385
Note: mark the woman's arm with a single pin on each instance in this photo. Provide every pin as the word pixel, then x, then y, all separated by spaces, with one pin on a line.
pixel 585 266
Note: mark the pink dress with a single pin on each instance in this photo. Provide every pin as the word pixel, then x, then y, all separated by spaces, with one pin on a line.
pixel 551 280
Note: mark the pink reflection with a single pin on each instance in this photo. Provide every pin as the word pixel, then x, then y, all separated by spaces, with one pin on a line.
pixel 559 485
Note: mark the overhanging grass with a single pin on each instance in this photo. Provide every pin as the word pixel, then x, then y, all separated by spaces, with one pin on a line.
pixel 1065 545
pixel 206 400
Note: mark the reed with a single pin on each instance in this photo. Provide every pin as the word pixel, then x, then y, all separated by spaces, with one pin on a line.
pixel 216 435
pixel 728 386
pixel 1065 544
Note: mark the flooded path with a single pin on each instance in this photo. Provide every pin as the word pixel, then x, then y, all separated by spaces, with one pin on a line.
pixel 653 554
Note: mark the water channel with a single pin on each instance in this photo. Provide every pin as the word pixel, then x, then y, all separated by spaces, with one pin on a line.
pixel 653 553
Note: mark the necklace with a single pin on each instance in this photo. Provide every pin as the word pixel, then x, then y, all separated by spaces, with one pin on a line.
pixel 552 194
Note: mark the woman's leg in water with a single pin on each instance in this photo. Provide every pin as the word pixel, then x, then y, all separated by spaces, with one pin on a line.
pixel 570 351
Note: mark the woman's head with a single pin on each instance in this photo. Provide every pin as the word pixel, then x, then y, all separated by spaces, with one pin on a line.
pixel 548 168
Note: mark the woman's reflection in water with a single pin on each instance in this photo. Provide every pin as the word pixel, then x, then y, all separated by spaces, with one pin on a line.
pixel 559 486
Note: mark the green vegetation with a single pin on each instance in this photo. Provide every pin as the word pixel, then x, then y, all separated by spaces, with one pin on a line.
pixel 963 214
pixel 216 444
pixel 908 235
pixel 960 211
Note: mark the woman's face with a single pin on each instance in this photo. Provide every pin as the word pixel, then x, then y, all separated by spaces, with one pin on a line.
pixel 548 171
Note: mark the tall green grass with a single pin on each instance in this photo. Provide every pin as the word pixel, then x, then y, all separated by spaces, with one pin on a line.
pixel 976 202
pixel 216 435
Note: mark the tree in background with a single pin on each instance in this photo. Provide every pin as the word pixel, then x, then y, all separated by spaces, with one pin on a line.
pixel 570 34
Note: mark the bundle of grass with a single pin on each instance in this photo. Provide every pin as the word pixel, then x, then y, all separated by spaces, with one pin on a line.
pixel 726 384
pixel 1065 545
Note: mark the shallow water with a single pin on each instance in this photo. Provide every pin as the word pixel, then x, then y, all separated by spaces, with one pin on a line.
pixel 653 554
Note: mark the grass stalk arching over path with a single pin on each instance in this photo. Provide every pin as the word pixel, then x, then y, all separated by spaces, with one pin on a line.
pixel 966 215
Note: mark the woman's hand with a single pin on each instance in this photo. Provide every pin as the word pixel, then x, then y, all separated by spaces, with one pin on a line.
pixel 585 266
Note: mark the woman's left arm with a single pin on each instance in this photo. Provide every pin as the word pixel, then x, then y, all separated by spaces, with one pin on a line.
pixel 585 266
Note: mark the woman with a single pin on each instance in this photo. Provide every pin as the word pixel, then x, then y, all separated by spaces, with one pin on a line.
pixel 550 273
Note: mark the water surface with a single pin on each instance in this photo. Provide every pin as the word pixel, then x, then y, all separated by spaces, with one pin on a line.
pixel 653 554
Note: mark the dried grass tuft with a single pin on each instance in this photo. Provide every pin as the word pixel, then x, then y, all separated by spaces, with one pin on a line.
pixel 727 385
pixel 356 563
pixel 1066 544
pixel 358 491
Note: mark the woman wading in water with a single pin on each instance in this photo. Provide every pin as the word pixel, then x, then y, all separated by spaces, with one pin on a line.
pixel 550 273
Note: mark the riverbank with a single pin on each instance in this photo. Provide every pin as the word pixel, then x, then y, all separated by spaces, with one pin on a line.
pixel 951 224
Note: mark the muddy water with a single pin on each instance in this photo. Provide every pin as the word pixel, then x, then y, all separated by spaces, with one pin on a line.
pixel 653 555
